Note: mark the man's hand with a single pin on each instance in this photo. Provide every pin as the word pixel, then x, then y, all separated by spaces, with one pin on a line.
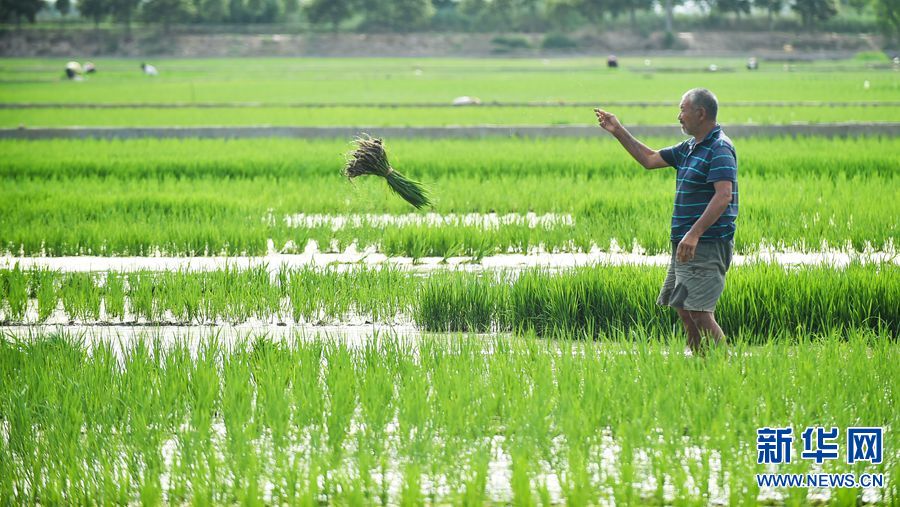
pixel 717 205
pixel 687 247
pixel 607 120
pixel 648 158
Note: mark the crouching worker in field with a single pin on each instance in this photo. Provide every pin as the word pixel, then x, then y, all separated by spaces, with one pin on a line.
pixel 703 219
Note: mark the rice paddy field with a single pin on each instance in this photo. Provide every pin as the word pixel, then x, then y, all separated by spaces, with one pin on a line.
pixel 417 92
pixel 210 197
pixel 230 321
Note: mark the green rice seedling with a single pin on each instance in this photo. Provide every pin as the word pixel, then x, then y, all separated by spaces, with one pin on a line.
pixel 384 293
pixel 271 369
pixel 81 296
pixel 277 422
pixel 141 296
pixel 376 400
pixel 103 411
pixel 142 436
pixel 249 294
pixel 213 303
pixel 341 400
pixel 308 403
pixel 197 444
pixel 263 296
pixel 370 159
pixel 179 293
pixel 301 293
pixel 114 296
pixel 317 295
pixel 237 411
pixel 458 302
pixel 237 304
pixel 16 291
pixel 46 292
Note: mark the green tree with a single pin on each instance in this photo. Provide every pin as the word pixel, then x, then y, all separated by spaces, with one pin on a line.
pixel 633 6
pixel 394 15
pixel 859 5
pixel 473 7
pixel 410 15
pixel 593 10
pixel 889 18
pixel 167 12
pixel 263 11
pixel 333 12
pixel 669 9
pixel 476 12
pixel 563 15
pixel 814 11
pixel 17 10
pixel 211 11
pixel 772 8
pixel 95 10
pixel 735 6
pixel 237 11
pixel 503 12
pixel 123 11
pixel 63 7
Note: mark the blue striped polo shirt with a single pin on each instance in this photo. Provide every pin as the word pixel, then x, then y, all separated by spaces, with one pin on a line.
pixel 698 166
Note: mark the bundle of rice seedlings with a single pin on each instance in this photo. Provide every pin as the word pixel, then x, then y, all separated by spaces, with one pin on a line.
pixel 369 158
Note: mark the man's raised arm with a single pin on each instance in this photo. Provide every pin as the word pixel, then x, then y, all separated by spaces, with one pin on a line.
pixel 650 159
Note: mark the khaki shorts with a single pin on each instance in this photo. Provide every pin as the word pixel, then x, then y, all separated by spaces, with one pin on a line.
pixel 697 284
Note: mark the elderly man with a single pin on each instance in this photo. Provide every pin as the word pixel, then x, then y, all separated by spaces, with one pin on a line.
pixel 703 220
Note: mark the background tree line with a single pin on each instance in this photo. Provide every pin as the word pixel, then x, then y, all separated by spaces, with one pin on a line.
pixel 446 15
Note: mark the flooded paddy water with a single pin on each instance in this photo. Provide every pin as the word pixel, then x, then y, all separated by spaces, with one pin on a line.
pixel 313 255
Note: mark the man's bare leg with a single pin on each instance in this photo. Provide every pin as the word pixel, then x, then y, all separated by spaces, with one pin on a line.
pixel 707 326
pixel 693 332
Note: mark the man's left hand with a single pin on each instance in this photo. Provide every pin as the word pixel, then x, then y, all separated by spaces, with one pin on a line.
pixel 687 247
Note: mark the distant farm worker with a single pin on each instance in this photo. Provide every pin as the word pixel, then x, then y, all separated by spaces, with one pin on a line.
pixel 73 70
pixel 148 69
pixel 703 220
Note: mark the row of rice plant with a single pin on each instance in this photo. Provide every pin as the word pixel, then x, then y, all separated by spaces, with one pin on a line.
pixel 461 420
pixel 280 81
pixel 488 158
pixel 425 116
pixel 760 298
pixel 226 295
pixel 587 302
pixel 211 197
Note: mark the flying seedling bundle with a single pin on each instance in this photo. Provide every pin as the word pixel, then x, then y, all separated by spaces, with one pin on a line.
pixel 370 159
